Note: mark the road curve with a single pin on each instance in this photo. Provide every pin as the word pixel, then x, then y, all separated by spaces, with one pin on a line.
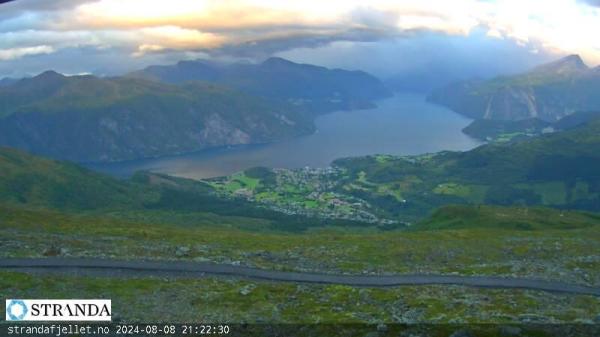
pixel 193 269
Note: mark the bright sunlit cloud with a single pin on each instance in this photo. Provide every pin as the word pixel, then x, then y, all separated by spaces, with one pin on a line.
pixel 15 53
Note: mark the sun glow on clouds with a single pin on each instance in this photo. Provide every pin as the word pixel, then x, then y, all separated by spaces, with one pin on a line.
pixel 202 14
pixel 140 27
pixel 175 37
pixel 15 53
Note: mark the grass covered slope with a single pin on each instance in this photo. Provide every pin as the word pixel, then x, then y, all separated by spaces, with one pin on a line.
pixel 85 118
pixel 36 181
pixel 509 218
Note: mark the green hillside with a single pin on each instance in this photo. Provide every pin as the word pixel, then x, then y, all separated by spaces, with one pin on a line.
pixel 35 181
pixel 509 218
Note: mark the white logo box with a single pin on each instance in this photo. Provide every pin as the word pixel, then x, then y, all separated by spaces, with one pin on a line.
pixel 58 310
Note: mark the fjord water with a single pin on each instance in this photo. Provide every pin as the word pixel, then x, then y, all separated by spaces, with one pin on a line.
pixel 403 125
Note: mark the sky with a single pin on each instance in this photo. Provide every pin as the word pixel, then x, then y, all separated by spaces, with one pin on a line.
pixel 110 37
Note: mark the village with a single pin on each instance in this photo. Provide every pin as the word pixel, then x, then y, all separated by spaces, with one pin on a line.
pixel 310 192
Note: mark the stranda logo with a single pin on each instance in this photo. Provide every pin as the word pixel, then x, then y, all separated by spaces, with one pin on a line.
pixel 58 310
pixel 16 310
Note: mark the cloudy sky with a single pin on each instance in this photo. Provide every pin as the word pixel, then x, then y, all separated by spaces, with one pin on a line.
pixel 113 36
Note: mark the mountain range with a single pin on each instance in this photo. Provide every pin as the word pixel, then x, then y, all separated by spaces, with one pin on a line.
pixel 317 88
pixel 86 118
pixel 547 92
pixel 166 110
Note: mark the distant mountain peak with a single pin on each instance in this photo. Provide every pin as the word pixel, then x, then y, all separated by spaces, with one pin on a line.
pixel 575 60
pixel 276 61
pixel 50 74
pixel 566 65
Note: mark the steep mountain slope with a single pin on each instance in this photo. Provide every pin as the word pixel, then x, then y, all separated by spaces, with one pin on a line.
pixel 318 88
pixel 36 181
pixel 85 118
pixel 548 92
